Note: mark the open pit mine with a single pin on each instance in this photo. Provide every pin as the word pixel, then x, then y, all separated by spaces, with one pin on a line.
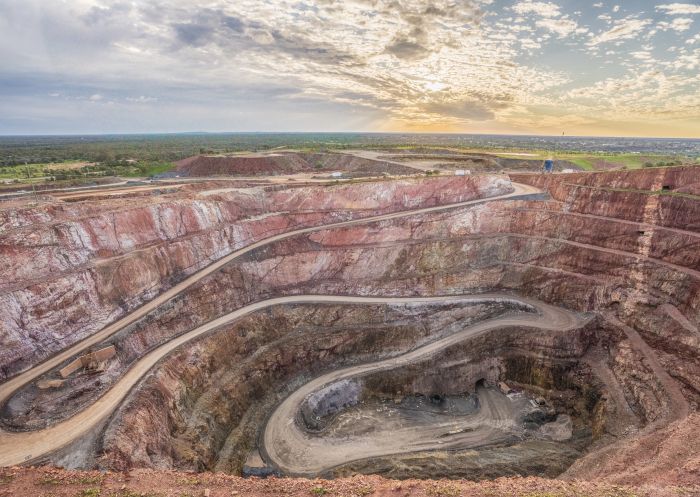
pixel 455 327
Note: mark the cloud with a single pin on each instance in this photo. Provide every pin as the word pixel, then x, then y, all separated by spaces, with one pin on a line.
pixel 543 9
pixel 562 27
pixel 404 48
pixel 678 24
pixel 467 110
pixel 679 8
pixel 192 34
pixel 624 29
pixel 141 99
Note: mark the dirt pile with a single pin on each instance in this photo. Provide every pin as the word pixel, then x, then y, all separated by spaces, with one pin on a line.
pixel 288 163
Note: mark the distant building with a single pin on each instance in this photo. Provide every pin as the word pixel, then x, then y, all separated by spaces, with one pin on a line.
pixel 568 171
pixel 462 172
pixel 336 175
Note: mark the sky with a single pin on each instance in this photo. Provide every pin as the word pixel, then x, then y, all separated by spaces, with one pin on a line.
pixel 470 66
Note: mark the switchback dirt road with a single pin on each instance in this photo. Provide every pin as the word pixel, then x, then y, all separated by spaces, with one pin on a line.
pixel 297 452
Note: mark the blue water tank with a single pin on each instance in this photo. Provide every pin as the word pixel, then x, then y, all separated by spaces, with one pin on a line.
pixel 549 165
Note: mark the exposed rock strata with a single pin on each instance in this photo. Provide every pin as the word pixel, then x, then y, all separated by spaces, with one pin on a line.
pixel 73 268
pixel 213 395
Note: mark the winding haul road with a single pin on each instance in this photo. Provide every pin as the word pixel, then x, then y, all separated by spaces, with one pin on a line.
pixel 17 448
pixel 296 452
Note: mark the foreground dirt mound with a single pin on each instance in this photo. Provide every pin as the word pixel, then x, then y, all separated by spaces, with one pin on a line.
pixel 287 163
pixel 62 483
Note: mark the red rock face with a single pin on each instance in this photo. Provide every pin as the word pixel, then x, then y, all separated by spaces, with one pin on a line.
pixel 72 268
pixel 648 179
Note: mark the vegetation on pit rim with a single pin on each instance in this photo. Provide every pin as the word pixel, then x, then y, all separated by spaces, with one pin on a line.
pixel 192 480
pixel 126 492
pixel 159 149
pixel 61 172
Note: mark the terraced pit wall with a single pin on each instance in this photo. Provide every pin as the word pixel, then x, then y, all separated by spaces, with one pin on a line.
pixel 72 268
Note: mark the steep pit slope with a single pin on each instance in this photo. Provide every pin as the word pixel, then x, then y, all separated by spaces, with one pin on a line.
pixel 288 163
pixel 73 268
pixel 215 392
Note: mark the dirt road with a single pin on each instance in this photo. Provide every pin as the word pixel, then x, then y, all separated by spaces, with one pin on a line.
pixel 10 386
pixel 297 452
pixel 16 448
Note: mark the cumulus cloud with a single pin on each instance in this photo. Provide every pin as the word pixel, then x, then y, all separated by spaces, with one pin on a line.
pixel 679 8
pixel 678 24
pixel 562 27
pixel 544 9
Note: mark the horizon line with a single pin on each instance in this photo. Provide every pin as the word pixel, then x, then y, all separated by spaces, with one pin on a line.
pixel 415 133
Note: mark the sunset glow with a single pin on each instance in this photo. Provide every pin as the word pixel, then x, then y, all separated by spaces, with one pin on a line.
pixel 469 66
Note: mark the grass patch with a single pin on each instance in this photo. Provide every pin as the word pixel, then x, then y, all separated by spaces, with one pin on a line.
pixel 50 480
pixel 364 491
pixel 127 492
pixel 444 491
pixel 71 480
pixel 582 162
pixel 73 170
pixel 192 480
pixel 89 492
pixel 319 490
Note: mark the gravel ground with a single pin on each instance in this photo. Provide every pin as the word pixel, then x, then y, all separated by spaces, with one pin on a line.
pixel 147 483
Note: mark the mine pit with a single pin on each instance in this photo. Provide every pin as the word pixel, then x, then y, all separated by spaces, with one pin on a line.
pixel 464 327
